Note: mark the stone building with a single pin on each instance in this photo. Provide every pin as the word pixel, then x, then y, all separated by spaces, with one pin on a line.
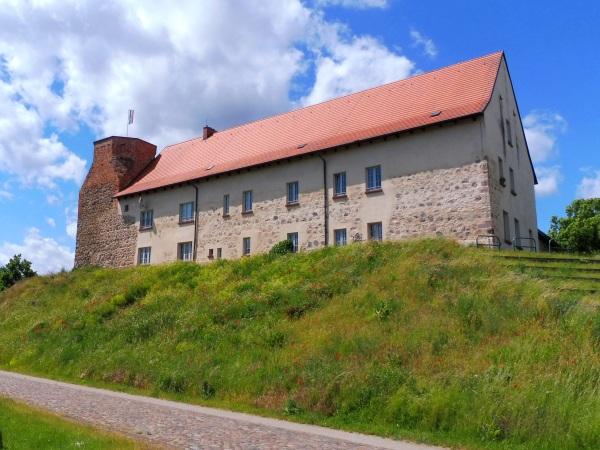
pixel 441 153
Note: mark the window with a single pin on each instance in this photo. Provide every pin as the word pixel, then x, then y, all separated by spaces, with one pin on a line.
pixel 219 253
pixel 184 251
pixel 186 212
pixel 375 231
pixel 506 227
pixel 292 193
pixel 211 253
pixel 509 133
pixel 339 184
pixel 246 246
pixel 501 169
pixel 512 181
pixel 126 208
pixel 144 255
pixel 146 219
pixel 293 238
pixel 517 233
pixel 340 237
pixel 226 205
pixel 247 206
pixel 374 178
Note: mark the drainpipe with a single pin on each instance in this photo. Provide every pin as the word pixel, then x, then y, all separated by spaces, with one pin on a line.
pixel 195 241
pixel 325 200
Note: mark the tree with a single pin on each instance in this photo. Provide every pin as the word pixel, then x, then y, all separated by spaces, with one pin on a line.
pixel 15 270
pixel 580 230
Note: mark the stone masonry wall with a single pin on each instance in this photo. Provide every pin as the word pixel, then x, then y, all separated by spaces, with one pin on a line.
pixel 105 237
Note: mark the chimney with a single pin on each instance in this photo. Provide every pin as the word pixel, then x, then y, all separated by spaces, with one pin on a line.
pixel 207 132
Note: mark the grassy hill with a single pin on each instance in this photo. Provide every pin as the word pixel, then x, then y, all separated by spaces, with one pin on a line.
pixel 424 340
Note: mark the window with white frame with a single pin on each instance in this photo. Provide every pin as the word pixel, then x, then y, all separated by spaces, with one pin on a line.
pixel 144 254
pixel 226 205
pixel 246 246
pixel 293 192
pixel 186 212
pixel 247 204
pixel 339 184
pixel 146 219
pixel 375 231
pixel 184 251
pixel 340 237
pixel 374 178
pixel 219 253
pixel 293 238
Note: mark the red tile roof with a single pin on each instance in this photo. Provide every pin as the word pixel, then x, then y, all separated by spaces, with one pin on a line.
pixel 457 91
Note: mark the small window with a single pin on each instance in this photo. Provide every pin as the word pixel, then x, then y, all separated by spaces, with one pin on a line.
pixel 501 170
pixel 219 253
pixel 144 254
pixel 292 193
pixel 184 251
pixel 186 212
pixel 126 208
pixel 211 253
pixel 247 206
pixel 509 138
pixel 146 219
pixel 246 246
pixel 339 184
pixel 517 233
pixel 506 221
pixel 226 205
pixel 373 178
pixel 293 238
pixel 375 231
pixel 340 237
pixel 512 181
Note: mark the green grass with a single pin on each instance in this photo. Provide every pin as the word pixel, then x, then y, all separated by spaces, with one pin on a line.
pixel 423 340
pixel 25 428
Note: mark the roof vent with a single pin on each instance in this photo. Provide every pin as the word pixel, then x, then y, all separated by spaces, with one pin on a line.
pixel 301 145
pixel 435 113
pixel 210 166
pixel 207 132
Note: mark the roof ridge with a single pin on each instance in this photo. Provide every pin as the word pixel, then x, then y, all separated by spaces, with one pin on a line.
pixel 498 52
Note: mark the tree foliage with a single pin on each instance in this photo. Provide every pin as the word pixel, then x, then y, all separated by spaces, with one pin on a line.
pixel 580 230
pixel 282 248
pixel 15 270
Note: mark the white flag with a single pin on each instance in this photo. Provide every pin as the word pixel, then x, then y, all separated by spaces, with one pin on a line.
pixel 130 117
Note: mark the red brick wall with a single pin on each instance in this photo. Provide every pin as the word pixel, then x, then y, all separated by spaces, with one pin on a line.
pixel 104 236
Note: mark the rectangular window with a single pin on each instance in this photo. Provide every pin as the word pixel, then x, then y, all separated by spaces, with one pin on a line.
pixel 509 133
pixel 292 193
pixel 511 173
pixel 501 170
pixel 506 221
pixel 144 255
pixel 219 253
pixel 340 237
pixel 211 253
pixel 339 184
pixel 186 212
pixel 375 231
pixel 184 251
pixel 146 219
pixel 247 205
pixel 293 238
pixel 246 246
pixel 374 178
pixel 226 205
pixel 517 233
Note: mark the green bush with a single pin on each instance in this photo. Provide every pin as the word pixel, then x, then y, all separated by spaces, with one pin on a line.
pixel 282 248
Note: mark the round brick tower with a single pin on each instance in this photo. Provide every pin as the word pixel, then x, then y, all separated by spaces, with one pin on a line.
pixel 106 237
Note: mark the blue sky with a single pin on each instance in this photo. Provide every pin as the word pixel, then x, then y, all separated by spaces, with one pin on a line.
pixel 69 71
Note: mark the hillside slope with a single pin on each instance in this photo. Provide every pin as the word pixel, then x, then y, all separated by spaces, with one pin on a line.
pixel 425 340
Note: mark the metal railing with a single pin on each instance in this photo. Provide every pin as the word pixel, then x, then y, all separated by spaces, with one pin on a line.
pixel 488 241
pixel 517 244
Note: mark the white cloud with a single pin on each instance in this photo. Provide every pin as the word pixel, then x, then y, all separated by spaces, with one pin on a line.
pixel 420 40
pixel 53 199
pixel 71 215
pixel 45 254
pixel 357 4
pixel 5 195
pixel 589 187
pixel 51 222
pixel 356 65
pixel 541 130
pixel 549 179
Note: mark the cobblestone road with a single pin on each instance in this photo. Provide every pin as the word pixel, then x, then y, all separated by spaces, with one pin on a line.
pixel 168 424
